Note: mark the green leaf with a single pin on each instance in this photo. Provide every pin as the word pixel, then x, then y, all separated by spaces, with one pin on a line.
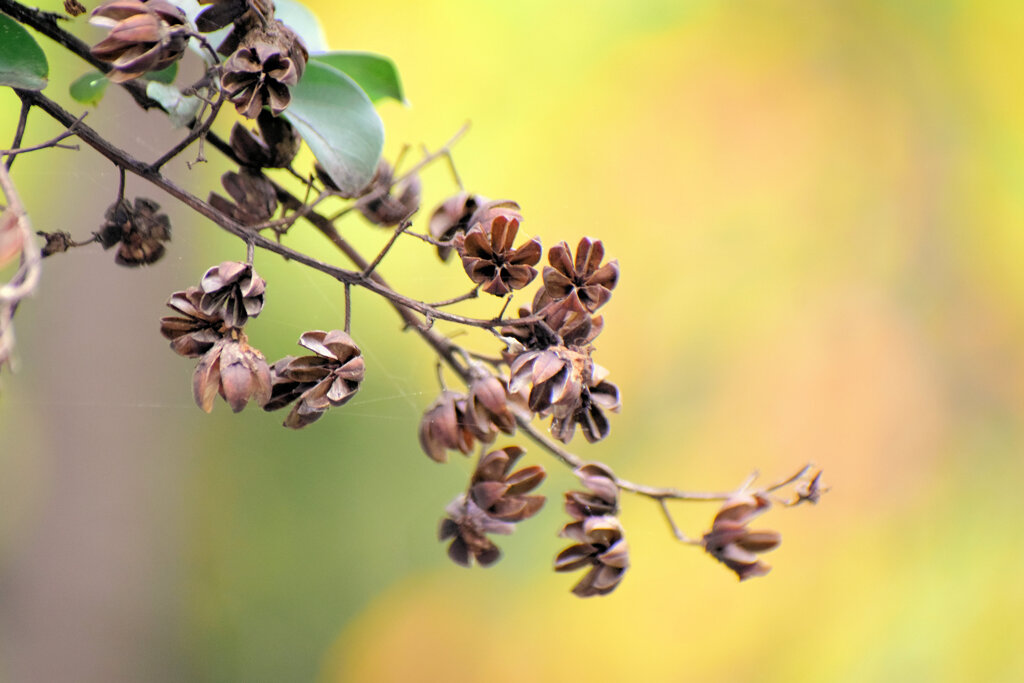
pixel 375 74
pixel 164 75
pixel 22 62
pixel 181 110
pixel 89 88
pixel 303 21
pixel 338 122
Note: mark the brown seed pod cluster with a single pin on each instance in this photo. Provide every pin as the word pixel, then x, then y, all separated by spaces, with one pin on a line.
pixel 209 326
pixel 138 231
pixel 600 545
pixel 496 500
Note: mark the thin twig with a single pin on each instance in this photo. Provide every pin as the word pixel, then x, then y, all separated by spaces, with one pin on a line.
pixel 348 308
pixel 54 142
pixel 471 294
pixel 672 524
pixel 19 132
pixel 387 247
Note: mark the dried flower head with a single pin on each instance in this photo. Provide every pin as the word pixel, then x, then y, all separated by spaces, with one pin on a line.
pixel 584 284
pixel 733 544
pixel 274 146
pixel 144 36
pixel 233 292
pixel 557 326
pixel 329 378
pixel 603 495
pixel 192 332
pixel 261 73
pixel 588 413
pixel 452 218
pixel 224 12
pixel 467 525
pixel 488 409
pixel 599 545
pixel 139 232
pixel 555 377
pixel 489 259
pixel 233 369
pixel 487 211
pixel 445 426
pixel 384 202
pixel 501 493
pixel 254 195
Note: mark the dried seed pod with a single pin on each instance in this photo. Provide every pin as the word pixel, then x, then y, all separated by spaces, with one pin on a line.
pixel 254 195
pixel 192 332
pixel 489 259
pixel 224 12
pixel 385 203
pixel 487 408
pixel 233 292
pixel 262 71
pixel 555 376
pixel 601 546
pixel 452 218
pixel 144 36
pixel 502 494
pixel 487 211
pixel 603 498
pixel 467 525
pixel 236 371
pixel 139 232
pixel 558 326
pixel 445 427
pixel 733 544
pixel 274 146
pixel 583 285
pixel 318 382
pixel 588 413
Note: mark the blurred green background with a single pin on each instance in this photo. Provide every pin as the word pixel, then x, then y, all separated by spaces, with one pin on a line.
pixel 817 209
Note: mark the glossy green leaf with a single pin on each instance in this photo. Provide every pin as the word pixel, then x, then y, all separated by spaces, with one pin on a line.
pixel 304 22
pixel 89 88
pixel 181 109
pixel 22 62
pixel 338 122
pixel 375 74
pixel 165 75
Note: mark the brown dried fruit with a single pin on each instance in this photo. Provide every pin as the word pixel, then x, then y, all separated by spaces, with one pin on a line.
pixel 599 545
pixel 254 195
pixel 139 231
pixel 192 333
pixel 144 36
pixel 503 495
pixel 445 426
pixel 262 71
pixel 489 259
pixel 233 369
pixel 385 203
pixel 489 210
pixel 588 413
pixel 467 525
pixel 452 218
pixel 329 378
pixel 274 146
pixel 603 498
pixel 487 408
pixel 74 8
pixel 558 326
pixel 733 544
pixel 555 376
pixel 224 12
pixel 233 292
pixel 584 285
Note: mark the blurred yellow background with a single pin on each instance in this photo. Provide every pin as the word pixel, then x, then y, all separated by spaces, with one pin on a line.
pixel 817 208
